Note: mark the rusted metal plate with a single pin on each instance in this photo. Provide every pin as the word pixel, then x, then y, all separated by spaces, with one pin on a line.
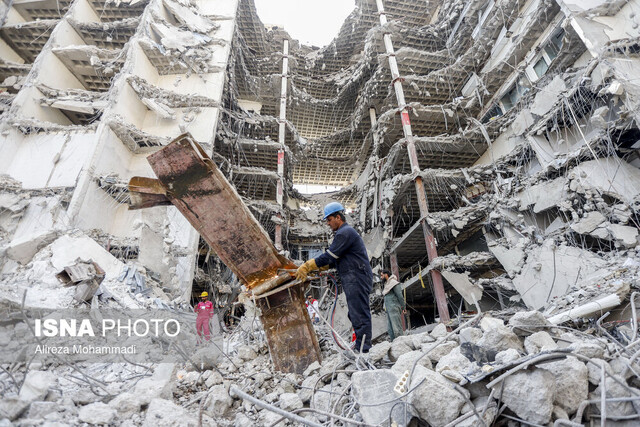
pixel 202 194
pixel 292 341
pixel 146 193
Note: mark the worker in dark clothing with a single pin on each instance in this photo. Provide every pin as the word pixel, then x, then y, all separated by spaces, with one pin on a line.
pixel 348 254
pixel 393 303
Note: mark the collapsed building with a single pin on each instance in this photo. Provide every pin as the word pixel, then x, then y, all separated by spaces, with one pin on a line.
pixel 487 151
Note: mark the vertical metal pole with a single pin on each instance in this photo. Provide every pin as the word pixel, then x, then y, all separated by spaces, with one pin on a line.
pixel 432 252
pixel 281 140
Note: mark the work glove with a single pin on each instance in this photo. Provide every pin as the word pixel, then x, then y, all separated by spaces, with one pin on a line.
pixel 305 269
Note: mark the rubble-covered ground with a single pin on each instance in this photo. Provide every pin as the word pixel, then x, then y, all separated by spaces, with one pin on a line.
pixel 496 368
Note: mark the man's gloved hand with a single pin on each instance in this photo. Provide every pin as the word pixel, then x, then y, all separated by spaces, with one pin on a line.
pixel 305 269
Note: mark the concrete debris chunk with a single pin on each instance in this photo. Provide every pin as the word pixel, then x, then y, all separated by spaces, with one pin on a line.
pixel 405 362
pixel 499 338
pixel 219 401
pixel 530 395
pixel 165 413
pixel 488 323
pixel 588 223
pixel 628 236
pixel 246 353
pixel 613 390
pixel 36 385
pixel 571 382
pixel 97 413
pixel 290 402
pixel 428 398
pixel 12 407
pixel 456 361
pixel 438 349
pixel 306 388
pixel 439 331
pixel 591 349
pixel 526 322
pixel 371 387
pixel 398 348
pixel 595 370
pixel 480 403
pixel 40 410
pixel 540 341
pixel 507 356
pixel 470 335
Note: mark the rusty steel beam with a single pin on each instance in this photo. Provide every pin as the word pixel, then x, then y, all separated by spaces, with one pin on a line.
pixel 292 340
pixel 203 195
pixel 191 181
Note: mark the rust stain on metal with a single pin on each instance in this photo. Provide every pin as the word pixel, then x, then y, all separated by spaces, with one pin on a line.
pixel 292 341
pixel 146 193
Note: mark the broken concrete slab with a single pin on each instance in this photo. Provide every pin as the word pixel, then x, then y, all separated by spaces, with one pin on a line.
pixel 543 196
pixel 69 248
pixel 588 223
pixel 511 258
pixel 471 292
pixel 611 176
pixel 551 270
pixel 628 236
pixel 23 249
pixel 546 99
pixel 370 387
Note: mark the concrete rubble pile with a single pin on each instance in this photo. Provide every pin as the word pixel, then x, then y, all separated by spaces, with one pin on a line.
pixel 496 366
pixel 507 130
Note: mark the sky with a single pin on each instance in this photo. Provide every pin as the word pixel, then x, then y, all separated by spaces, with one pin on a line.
pixel 312 22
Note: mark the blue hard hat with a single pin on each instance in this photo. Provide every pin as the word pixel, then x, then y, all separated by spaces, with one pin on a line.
pixel 332 208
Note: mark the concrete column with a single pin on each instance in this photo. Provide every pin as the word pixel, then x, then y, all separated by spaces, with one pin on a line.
pixel 436 277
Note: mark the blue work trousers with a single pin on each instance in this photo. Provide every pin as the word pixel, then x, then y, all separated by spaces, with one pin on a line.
pixel 357 288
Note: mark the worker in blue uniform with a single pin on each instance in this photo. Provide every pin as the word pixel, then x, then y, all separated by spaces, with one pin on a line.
pixel 348 254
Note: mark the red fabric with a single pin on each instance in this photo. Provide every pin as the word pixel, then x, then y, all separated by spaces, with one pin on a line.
pixel 202 326
pixel 205 312
pixel 204 308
